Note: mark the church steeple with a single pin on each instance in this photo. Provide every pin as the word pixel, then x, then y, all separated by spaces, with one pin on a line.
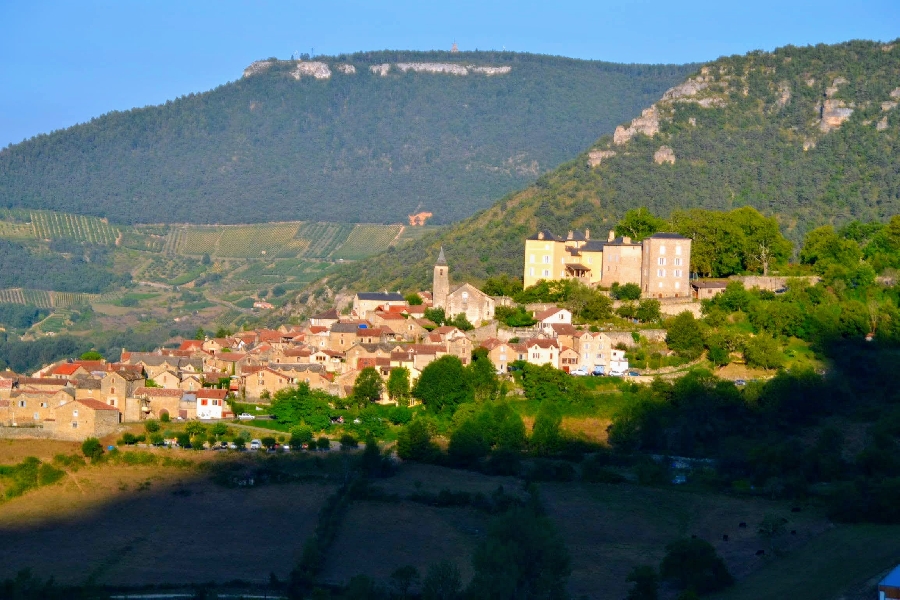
pixel 441 286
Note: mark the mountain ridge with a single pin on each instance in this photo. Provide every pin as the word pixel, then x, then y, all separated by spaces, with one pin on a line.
pixel 818 151
pixel 361 146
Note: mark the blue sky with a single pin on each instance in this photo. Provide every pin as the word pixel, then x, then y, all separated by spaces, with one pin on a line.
pixel 64 62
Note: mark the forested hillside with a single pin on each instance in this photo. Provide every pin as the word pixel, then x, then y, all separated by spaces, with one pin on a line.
pixel 808 135
pixel 368 137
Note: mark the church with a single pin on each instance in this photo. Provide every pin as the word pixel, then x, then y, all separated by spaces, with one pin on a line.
pixel 465 298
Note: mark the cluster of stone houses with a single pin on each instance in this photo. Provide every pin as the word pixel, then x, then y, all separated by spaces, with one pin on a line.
pixel 76 399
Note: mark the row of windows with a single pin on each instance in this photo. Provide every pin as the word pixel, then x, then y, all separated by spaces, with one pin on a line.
pixel 662 250
pixel 662 273
pixel 662 261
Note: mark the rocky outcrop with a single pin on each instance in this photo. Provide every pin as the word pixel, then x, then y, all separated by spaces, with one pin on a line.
pixel 886 106
pixel 319 70
pixel 260 66
pixel 895 93
pixel 346 69
pixel 595 157
pixel 381 70
pixel 647 123
pixel 689 90
pixel 664 155
pixel 882 124
pixel 448 68
pixel 784 90
pixel 490 70
pixel 833 114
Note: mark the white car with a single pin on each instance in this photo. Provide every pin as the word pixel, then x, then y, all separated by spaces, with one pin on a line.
pixel 617 373
pixel 255 444
pixel 245 417
pixel 580 371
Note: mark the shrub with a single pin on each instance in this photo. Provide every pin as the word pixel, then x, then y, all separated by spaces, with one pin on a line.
pixel 127 439
pixel 70 461
pixel 300 435
pixel 693 564
pixel 268 442
pixel 48 474
pixel 414 442
pixel 156 439
pixel 92 448
pixel 324 443
pixel 164 418
pixel 400 415
pixel 348 442
pixel 151 426
pixel 183 439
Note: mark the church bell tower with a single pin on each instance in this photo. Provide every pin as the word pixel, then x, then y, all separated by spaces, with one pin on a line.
pixel 441 287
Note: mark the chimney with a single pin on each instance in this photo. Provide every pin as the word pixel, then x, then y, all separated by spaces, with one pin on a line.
pixel 612 236
pixel 571 235
pixel 587 234
pixel 626 240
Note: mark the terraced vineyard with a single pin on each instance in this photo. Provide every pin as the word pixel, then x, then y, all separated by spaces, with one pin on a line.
pixel 253 241
pixel 197 241
pixel 53 225
pixel 367 240
pixel 322 238
pixel 45 299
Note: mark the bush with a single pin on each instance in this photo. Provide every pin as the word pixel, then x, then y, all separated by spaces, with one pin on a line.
pixel 268 442
pixel 693 564
pixel 164 418
pixel 414 442
pixel 348 442
pixel 400 415
pixel 127 439
pixel 300 435
pixel 324 443
pixel 183 439
pixel 151 426
pixel 70 461
pixel 92 448
pixel 156 439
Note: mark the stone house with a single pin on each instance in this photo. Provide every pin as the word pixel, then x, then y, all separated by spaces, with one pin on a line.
pixel 118 385
pixel 342 336
pixel 366 303
pixel 80 419
pixel 704 289
pixel 542 352
pixel 152 403
pixel 546 319
pixel 463 299
pixel 568 359
pixel 211 404
pixel 33 407
pixel 666 266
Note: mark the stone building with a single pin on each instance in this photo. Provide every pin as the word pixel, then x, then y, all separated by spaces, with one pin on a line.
pixel 465 298
pixel 80 419
pixel 660 264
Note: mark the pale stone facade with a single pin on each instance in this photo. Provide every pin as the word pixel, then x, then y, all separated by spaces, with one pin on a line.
pixel 466 298
pixel 666 266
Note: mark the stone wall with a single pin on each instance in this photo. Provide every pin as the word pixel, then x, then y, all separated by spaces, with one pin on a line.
pixel 772 283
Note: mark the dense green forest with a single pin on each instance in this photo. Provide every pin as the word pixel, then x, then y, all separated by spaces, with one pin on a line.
pixel 19 267
pixel 744 131
pixel 356 147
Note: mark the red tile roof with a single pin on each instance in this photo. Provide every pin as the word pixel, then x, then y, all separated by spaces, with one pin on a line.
pixel 96 405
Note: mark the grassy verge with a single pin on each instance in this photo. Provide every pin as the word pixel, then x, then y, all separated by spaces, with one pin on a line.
pixel 836 564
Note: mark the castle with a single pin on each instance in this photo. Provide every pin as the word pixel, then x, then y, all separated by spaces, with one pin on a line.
pixel 659 264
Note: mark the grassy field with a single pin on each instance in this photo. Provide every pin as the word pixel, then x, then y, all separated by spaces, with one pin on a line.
pixel 134 525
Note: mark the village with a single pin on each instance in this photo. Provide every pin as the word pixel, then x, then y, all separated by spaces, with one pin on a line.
pixel 77 398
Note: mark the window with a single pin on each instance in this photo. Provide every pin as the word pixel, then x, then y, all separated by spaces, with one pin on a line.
pixel 531 258
pixel 36 416
pixel 677 284
pixel 660 284
pixel 562 261
pixel 22 404
pixel 590 260
pixel 204 402
pixel 661 260
pixel 74 424
pixel 676 273
pixel 531 272
pixel 678 250
pixel 75 413
pixel 662 249
pixel 112 402
pixel 546 246
pixel 546 272
pixel 660 272
pixel 112 390
pixel 44 405
pixel 677 262
pixel 546 259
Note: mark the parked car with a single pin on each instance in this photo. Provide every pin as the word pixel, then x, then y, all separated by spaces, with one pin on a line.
pixel 740 382
pixel 245 417
pixel 255 444
pixel 617 373
pixel 598 371
pixel 580 372
pixel 633 374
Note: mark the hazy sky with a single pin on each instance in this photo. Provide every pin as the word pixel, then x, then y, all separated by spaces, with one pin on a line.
pixel 64 62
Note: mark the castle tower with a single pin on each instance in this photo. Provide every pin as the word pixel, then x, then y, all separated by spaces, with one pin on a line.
pixel 441 287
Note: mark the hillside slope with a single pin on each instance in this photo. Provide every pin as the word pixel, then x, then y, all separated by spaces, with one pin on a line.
pixel 810 135
pixel 368 137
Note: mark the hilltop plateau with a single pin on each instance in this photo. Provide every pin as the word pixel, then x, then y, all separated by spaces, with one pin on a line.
pixel 809 135
pixel 363 138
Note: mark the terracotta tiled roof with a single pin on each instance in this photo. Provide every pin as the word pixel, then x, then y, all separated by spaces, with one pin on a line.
pixel 564 329
pixel 96 405
pixel 546 314
pixel 158 392
pixel 211 393
pixel 65 369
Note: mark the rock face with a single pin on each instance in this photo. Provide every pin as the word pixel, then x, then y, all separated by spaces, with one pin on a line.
pixel 882 124
pixel 785 97
pixel 490 70
pixel 895 93
pixel 834 113
pixel 260 66
pixel 449 68
pixel 382 69
pixel 647 123
pixel 595 157
pixel 664 155
pixel 346 69
pixel 319 70
pixel 688 91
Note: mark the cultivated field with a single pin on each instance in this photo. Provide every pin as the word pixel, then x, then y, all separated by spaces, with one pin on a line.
pixel 134 525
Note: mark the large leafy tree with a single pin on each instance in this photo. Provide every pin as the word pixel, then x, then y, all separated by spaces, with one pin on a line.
pixel 368 387
pixel 398 385
pixel 444 384
pixel 694 564
pixel 685 336
pixel 522 557
pixel 639 223
pixel 295 405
